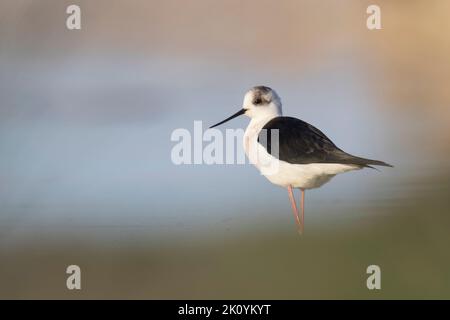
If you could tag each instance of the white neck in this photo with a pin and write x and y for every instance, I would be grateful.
(251, 135)
(261, 118)
(257, 123)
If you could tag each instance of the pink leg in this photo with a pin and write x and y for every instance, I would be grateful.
(302, 207)
(294, 209)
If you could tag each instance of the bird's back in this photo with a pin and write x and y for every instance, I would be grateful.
(301, 143)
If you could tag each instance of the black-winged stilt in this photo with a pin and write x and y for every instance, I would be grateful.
(303, 157)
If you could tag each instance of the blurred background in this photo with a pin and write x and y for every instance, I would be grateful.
(86, 176)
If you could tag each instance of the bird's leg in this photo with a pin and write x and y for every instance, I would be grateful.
(294, 209)
(302, 207)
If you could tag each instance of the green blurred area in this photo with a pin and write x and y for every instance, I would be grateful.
(409, 241)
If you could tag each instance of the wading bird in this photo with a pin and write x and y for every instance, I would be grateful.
(300, 157)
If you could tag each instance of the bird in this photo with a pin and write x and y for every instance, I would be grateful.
(290, 152)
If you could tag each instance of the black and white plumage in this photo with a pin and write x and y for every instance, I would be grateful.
(301, 143)
(290, 152)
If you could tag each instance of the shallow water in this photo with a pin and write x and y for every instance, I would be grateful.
(257, 259)
(86, 176)
(103, 193)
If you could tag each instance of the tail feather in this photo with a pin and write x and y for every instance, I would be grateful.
(368, 163)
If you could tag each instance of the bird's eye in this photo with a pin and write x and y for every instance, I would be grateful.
(257, 101)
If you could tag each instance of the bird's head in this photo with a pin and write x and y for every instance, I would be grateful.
(259, 103)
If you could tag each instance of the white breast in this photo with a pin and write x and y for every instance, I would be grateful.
(282, 173)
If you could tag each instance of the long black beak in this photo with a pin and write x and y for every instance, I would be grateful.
(237, 114)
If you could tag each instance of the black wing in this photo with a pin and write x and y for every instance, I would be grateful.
(302, 143)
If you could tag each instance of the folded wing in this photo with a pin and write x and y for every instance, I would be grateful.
(301, 143)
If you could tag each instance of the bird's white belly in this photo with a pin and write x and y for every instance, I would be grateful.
(282, 173)
(305, 176)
